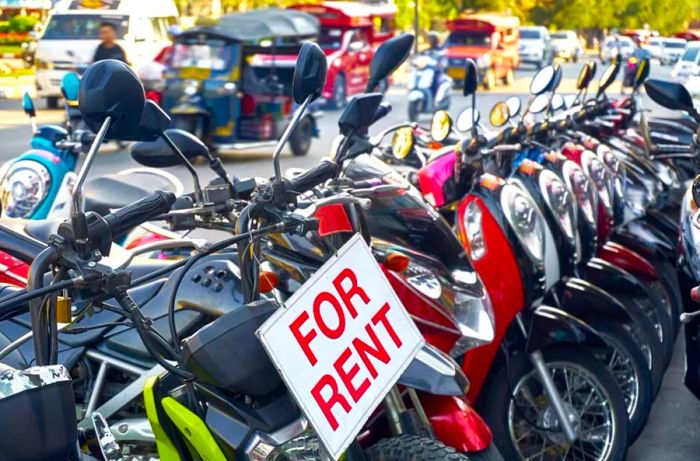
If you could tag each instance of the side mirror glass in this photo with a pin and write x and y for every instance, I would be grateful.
(157, 154)
(110, 88)
(608, 77)
(70, 86)
(569, 101)
(594, 69)
(402, 142)
(309, 73)
(499, 115)
(514, 106)
(542, 80)
(440, 126)
(642, 72)
(467, 118)
(557, 103)
(670, 95)
(558, 72)
(471, 77)
(539, 104)
(584, 77)
(28, 105)
(388, 57)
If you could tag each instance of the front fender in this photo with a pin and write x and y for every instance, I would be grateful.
(551, 326)
(456, 423)
(628, 260)
(435, 372)
(584, 300)
(640, 237)
(612, 278)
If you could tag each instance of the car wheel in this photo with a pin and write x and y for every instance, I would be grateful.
(340, 93)
(300, 141)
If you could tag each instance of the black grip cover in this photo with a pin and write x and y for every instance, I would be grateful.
(673, 149)
(144, 210)
(312, 177)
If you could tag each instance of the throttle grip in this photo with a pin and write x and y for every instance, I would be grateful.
(312, 177)
(144, 210)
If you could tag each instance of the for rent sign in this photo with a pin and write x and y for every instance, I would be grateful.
(341, 343)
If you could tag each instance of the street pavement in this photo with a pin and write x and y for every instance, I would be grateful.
(673, 431)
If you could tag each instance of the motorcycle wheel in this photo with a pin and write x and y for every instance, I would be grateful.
(523, 422)
(658, 308)
(300, 140)
(490, 454)
(412, 448)
(414, 110)
(626, 362)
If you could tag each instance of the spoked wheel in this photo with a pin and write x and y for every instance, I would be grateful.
(412, 448)
(658, 308)
(525, 425)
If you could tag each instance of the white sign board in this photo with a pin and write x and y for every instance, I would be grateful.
(340, 344)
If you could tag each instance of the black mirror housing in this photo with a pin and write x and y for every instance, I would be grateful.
(388, 57)
(359, 113)
(157, 154)
(309, 73)
(671, 95)
(110, 88)
(471, 77)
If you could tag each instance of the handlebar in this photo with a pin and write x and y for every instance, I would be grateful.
(146, 209)
(306, 181)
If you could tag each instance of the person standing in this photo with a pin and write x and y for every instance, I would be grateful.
(109, 48)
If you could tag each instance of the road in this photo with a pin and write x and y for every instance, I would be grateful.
(673, 431)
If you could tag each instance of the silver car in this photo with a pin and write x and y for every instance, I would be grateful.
(613, 46)
(567, 45)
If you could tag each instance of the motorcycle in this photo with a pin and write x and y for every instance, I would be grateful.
(429, 87)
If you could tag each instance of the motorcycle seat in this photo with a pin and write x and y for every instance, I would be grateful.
(107, 193)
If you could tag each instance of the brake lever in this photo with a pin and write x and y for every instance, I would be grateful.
(308, 208)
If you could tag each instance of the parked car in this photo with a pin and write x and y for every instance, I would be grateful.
(654, 47)
(671, 50)
(612, 46)
(71, 37)
(536, 46)
(491, 40)
(689, 64)
(567, 45)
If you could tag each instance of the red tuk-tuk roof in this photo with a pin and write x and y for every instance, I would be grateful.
(356, 14)
(487, 22)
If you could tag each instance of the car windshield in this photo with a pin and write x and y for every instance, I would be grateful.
(214, 55)
(691, 54)
(678, 45)
(463, 38)
(530, 34)
(330, 39)
(560, 35)
(82, 26)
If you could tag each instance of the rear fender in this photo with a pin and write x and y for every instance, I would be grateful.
(435, 372)
(637, 236)
(627, 259)
(551, 326)
(612, 278)
(456, 423)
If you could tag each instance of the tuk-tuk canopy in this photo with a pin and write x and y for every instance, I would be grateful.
(253, 26)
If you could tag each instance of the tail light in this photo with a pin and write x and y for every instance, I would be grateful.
(267, 281)
(247, 105)
(397, 262)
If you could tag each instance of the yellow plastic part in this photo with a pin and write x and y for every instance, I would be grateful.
(166, 449)
(193, 429)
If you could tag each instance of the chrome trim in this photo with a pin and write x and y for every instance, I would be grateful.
(245, 145)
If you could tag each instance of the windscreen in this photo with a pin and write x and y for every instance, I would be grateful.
(530, 34)
(691, 54)
(83, 26)
(676, 45)
(212, 54)
(463, 38)
(330, 39)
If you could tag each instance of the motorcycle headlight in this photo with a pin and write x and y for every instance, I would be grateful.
(525, 219)
(618, 174)
(474, 316)
(474, 231)
(191, 87)
(560, 201)
(583, 189)
(303, 447)
(23, 188)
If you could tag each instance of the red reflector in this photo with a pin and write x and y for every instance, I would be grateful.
(695, 294)
(333, 219)
(267, 281)
(397, 262)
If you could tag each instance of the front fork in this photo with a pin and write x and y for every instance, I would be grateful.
(403, 421)
(550, 388)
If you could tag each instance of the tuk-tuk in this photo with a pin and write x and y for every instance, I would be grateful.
(230, 84)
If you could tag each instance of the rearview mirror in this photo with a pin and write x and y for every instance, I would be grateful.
(471, 77)
(440, 126)
(584, 77)
(153, 122)
(157, 154)
(500, 113)
(402, 142)
(539, 104)
(642, 72)
(467, 118)
(556, 103)
(608, 76)
(594, 68)
(111, 89)
(309, 73)
(70, 86)
(388, 57)
(28, 105)
(542, 80)
(557, 77)
(514, 106)
(670, 95)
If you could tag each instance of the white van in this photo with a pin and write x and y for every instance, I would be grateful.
(70, 38)
(689, 63)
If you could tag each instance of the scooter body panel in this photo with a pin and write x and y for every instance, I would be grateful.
(456, 423)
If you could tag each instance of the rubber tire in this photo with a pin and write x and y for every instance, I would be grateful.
(490, 454)
(666, 321)
(52, 102)
(337, 86)
(414, 110)
(300, 140)
(622, 340)
(494, 408)
(412, 448)
(668, 276)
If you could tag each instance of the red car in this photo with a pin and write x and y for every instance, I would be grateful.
(350, 32)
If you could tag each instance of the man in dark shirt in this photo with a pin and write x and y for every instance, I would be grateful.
(109, 49)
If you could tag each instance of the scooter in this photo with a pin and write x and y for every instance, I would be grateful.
(429, 88)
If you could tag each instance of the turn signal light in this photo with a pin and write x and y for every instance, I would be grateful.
(695, 294)
(267, 281)
(396, 262)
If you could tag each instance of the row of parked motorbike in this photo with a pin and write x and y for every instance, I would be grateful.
(537, 259)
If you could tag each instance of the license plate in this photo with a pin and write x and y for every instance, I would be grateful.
(340, 343)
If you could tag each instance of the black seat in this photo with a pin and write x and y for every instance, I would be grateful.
(107, 193)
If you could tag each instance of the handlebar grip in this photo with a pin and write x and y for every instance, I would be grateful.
(313, 177)
(673, 149)
(149, 207)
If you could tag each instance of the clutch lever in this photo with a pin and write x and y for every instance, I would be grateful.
(306, 208)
